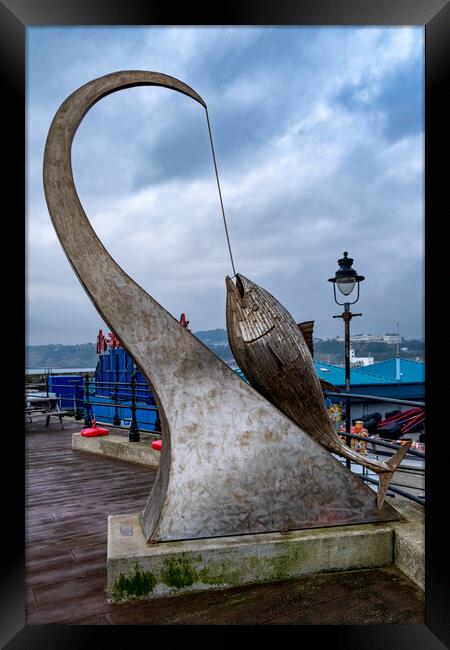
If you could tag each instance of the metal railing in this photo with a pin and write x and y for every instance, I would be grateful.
(126, 398)
(396, 490)
(380, 442)
(133, 398)
(375, 398)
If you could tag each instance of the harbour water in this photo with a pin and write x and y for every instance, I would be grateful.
(55, 371)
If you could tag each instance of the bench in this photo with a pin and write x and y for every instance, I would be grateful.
(58, 414)
(34, 410)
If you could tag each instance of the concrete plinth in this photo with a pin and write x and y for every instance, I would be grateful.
(139, 570)
(118, 447)
(409, 540)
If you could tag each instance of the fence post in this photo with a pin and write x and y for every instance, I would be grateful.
(78, 403)
(87, 408)
(116, 420)
(133, 435)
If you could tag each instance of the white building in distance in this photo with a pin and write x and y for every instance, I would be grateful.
(375, 338)
(392, 338)
(357, 362)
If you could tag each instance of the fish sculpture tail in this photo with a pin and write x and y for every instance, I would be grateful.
(385, 477)
(384, 469)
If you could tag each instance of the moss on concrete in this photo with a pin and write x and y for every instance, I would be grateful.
(206, 577)
(287, 565)
(230, 574)
(178, 573)
(142, 583)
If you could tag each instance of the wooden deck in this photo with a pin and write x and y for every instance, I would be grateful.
(69, 495)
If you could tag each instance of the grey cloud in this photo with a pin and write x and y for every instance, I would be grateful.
(303, 177)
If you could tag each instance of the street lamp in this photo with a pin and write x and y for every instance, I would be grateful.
(345, 279)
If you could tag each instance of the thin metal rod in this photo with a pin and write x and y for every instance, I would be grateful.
(123, 406)
(383, 443)
(220, 193)
(374, 398)
(87, 407)
(153, 432)
(134, 428)
(402, 493)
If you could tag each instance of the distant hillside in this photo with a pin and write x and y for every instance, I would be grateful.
(217, 342)
(215, 337)
(83, 355)
(330, 351)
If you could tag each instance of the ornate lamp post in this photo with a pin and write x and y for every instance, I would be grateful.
(346, 278)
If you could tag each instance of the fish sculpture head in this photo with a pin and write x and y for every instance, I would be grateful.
(245, 298)
(242, 293)
(270, 349)
(261, 332)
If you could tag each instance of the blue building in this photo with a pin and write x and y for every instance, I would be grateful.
(393, 378)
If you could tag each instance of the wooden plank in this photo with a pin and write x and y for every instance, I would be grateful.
(37, 565)
(68, 610)
(68, 499)
(66, 545)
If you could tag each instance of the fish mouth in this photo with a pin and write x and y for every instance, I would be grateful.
(241, 288)
(235, 290)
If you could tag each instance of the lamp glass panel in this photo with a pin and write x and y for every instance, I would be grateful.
(346, 285)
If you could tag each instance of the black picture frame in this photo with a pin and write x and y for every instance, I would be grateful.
(434, 15)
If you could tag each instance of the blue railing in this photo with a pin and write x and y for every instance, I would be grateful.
(130, 405)
(380, 442)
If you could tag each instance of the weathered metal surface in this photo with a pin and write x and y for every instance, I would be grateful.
(273, 354)
(231, 463)
(306, 329)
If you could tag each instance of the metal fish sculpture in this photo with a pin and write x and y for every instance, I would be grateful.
(272, 352)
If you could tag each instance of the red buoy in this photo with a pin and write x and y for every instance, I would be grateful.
(93, 431)
(157, 444)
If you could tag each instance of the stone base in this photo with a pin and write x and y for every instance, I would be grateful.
(140, 570)
(409, 545)
(119, 447)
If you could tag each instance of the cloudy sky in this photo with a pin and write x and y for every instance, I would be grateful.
(319, 139)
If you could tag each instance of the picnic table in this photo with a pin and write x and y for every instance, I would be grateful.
(45, 405)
